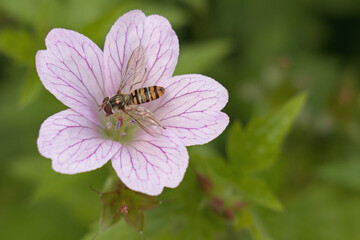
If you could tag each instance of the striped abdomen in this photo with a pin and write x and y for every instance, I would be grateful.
(147, 94)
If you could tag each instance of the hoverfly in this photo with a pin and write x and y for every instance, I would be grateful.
(128, 103)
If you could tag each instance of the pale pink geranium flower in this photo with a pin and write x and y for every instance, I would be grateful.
(80, 75)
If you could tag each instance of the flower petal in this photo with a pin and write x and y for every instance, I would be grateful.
(191, 108)
(151, 163)
(73, 143)
(72, 69)
(159, 40)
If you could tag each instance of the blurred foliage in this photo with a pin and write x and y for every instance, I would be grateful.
(277, 172)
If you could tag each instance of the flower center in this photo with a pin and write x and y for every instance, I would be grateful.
(120, 128)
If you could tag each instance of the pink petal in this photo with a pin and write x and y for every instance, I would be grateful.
(191, 108)
(71, 68)
(151, 163)
(155, 34)
(73, 143)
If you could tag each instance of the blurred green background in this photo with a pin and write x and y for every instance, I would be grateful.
(264, 53)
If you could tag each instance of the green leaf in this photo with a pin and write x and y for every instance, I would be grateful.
(199, 57)
(343, 173)
(142, 201)
(244, 219)
(19, 45)
(208, 162)
(257, 191)
(176, 15)
(233, 142)
(119, 201)
(213, 173)
(120, 230)
(257, 147)
(69, 190)
(135, 218)
(111, 210)
(22, 10)
(30, 89)
(198, 5)
(311, 209)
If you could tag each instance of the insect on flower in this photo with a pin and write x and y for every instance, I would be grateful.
(135, 73)
(141, 129)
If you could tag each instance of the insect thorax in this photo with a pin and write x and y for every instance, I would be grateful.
(119, 101)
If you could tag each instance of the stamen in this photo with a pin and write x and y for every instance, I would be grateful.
(118, 124)
(117, 129)
(108, 125)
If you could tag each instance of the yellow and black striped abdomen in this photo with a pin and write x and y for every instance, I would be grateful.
(147, 94)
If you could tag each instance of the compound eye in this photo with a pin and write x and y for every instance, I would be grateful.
(105, 100)
(108, 109)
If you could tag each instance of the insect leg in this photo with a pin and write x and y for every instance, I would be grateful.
(143, 127)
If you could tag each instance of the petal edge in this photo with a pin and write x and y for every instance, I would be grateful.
(73, 143)
(132, 29)
(71, 68)
(150, 164)
(191, 108)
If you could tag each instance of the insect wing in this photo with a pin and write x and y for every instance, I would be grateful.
(145, 119)
(135, 69)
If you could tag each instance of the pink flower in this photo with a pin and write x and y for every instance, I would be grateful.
(80, 75)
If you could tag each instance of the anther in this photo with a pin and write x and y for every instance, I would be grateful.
(118, 124)
(108, 125)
